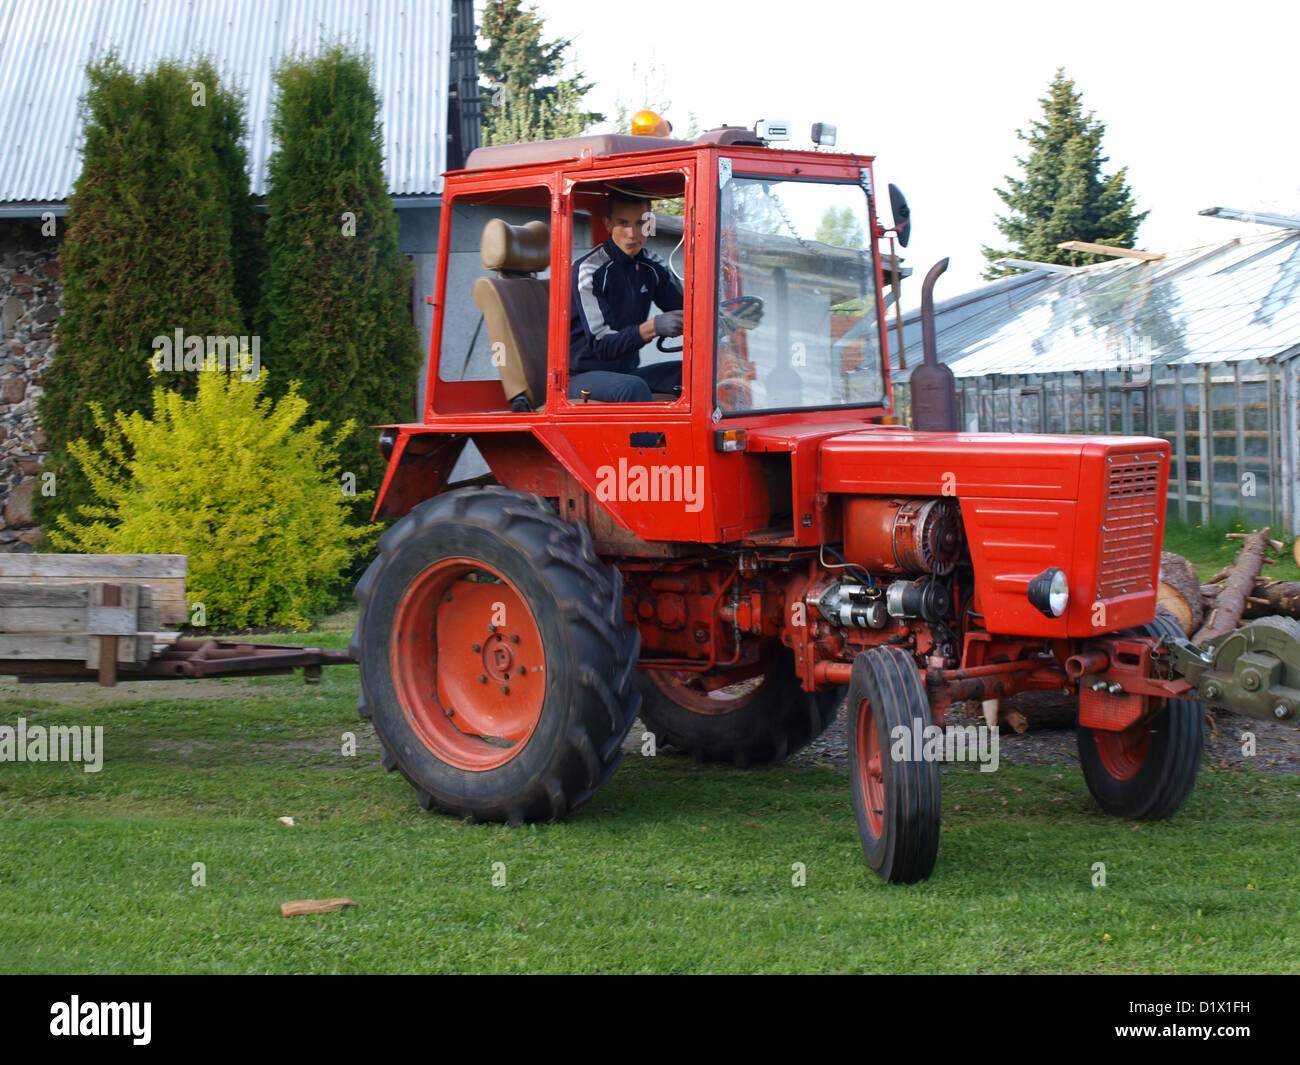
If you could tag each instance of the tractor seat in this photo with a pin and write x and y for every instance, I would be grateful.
(515, 306)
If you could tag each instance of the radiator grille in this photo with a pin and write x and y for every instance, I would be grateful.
(1129, 525)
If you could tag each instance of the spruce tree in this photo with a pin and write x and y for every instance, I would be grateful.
(335, 312)
(147, 249)
(520, 103)
(1062, 193)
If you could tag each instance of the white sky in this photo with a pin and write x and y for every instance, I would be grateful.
(1198, 98)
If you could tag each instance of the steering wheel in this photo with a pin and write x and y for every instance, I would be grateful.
(742, 304)
(742, 312)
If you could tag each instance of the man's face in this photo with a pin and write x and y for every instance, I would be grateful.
(627, 225)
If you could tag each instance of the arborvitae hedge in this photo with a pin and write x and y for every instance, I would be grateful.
(335, 309)
(148, 248)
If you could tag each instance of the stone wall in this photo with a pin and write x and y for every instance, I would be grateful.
(29, 304)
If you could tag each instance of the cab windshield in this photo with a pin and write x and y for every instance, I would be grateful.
(797, 316)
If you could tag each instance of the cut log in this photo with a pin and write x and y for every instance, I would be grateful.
(1025, 718)
(1180, 591)
(1279, 597)
(1230, 603)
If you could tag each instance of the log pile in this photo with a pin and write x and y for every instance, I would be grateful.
(1237, 593)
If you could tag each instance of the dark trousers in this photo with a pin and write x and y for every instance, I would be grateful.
(634, 387)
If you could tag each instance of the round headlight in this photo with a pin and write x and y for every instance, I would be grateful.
(1050, 592)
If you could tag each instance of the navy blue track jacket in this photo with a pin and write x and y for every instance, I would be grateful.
(612, 293)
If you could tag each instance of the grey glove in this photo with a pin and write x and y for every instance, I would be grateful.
(668, 325)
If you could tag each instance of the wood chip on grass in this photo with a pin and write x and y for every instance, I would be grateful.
(301, 906)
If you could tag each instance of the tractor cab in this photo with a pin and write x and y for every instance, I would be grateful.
(776, 255)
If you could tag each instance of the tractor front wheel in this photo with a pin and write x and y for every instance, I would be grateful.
(1146, 772)
(495, 661)
(895, 788)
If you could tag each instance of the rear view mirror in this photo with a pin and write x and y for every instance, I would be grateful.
(902, 214)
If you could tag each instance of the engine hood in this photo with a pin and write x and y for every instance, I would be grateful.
(980, 465)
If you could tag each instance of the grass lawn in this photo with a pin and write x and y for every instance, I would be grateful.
(672, 867)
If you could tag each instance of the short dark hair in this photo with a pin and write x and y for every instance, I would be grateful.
(615, 198)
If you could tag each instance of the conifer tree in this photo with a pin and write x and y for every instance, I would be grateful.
(1062, 193)
(335, 312)
(527, 97)
(147, 250)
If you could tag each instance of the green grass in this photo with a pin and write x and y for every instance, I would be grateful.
(1208, 549)
(672, 867)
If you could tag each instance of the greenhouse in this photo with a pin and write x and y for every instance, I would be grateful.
(1197, 347)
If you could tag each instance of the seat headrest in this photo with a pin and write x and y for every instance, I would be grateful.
(522, 249)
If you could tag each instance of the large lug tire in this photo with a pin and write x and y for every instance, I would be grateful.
(1146, 772)
(895, 800)
(496, 664)
(755, 722)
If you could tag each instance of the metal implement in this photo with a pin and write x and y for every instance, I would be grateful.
(194, 659)
(1254, 670)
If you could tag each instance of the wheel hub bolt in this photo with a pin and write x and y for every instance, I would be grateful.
(505, 689)
(476, 648)
(523, 670)
(482, 678)
(514, 638)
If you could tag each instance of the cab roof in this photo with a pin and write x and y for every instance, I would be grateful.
(604, 144)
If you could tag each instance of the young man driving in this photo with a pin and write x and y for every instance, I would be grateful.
(613, 287)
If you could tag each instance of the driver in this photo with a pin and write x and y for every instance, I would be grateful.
(613, 287)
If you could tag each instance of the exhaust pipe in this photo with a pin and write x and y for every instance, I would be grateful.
(934, 389)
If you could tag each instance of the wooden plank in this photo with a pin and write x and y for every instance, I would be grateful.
(110, 595)
(26, 646)
(166, 594)
(93, 567)
(164, 575)
(46, 619)
(43, 596)
(1106, 249)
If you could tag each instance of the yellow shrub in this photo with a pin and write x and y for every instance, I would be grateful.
(230, 479)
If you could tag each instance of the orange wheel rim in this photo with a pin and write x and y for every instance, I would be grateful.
(686, 690)
(1122, 754)
(871, 770)
(468, 663)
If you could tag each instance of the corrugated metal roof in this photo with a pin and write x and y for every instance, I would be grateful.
(46, 44)
(1228, 302)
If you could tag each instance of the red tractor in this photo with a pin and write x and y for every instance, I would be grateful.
(726, 559)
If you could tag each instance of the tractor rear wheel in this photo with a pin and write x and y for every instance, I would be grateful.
(895, 799)
(1146, 772)
(496, 664)
(756, 721)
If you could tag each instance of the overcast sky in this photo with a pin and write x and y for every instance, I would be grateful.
(1198, 98)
